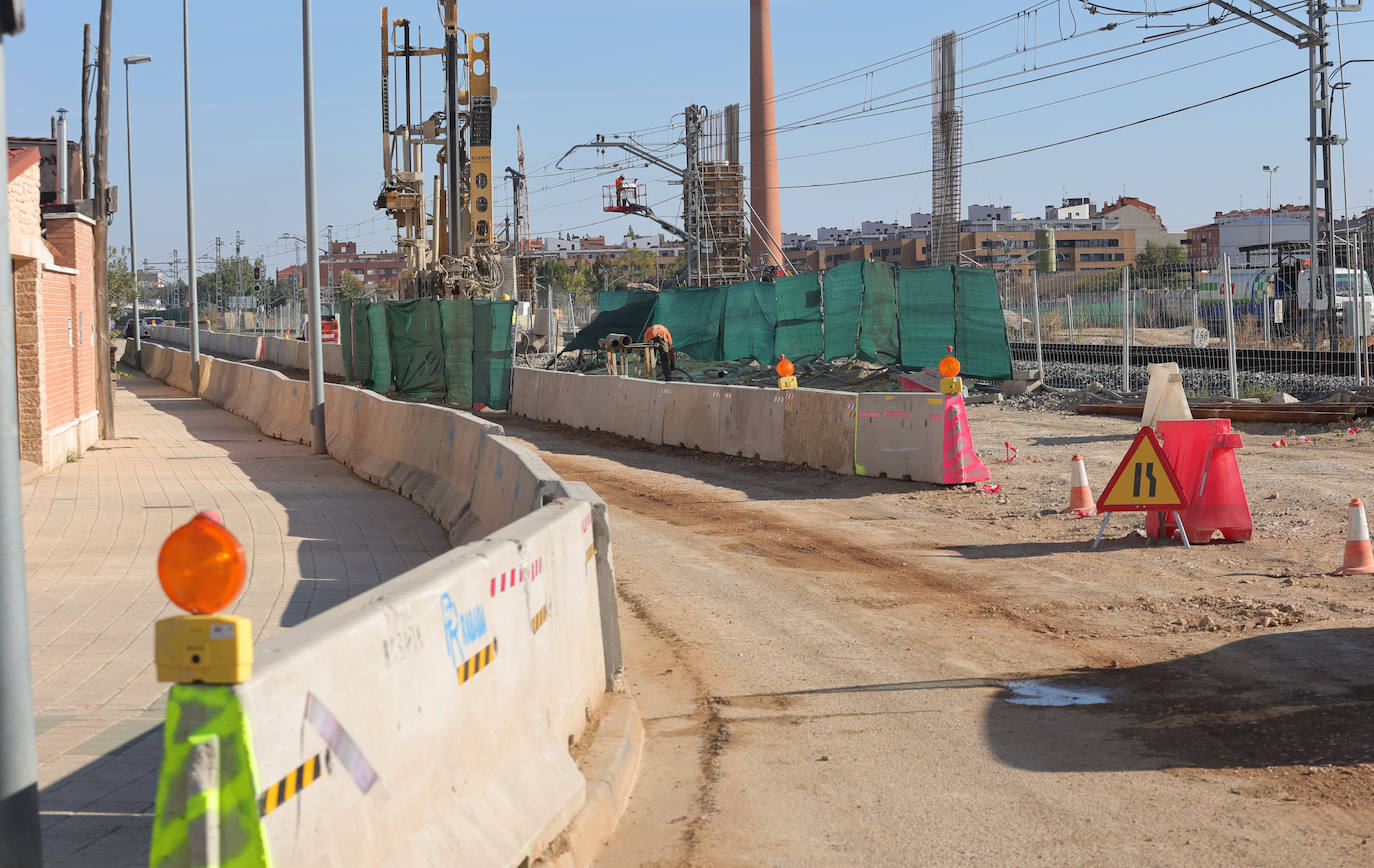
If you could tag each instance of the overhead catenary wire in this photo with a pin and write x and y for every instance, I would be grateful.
(1054, 144)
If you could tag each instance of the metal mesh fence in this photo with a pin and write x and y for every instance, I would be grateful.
(1250, 337)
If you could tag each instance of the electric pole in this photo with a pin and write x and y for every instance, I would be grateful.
(219, 271)
(1312, 36)
(104, 384)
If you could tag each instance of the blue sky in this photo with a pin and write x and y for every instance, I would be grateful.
(568, 71)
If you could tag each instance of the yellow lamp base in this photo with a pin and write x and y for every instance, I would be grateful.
(204, 649)
(787, 382)
(951, 385)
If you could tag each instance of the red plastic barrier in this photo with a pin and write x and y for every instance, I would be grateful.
(1202, 453)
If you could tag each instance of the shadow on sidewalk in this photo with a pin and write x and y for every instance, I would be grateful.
(354, 535)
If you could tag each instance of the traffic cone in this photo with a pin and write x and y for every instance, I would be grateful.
(1359, 558)
(1080, 496)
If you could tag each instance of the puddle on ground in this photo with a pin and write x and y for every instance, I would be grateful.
(1030, 692)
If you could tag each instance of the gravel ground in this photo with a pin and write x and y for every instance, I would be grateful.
(1197, 382)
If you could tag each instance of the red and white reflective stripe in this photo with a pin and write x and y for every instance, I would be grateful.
(1359, 523)
(515, 576)
(1079, 478)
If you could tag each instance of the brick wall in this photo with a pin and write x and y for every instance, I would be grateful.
(28, 358)
(68, 322)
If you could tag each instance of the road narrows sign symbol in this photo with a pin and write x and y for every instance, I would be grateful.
(1143, 481)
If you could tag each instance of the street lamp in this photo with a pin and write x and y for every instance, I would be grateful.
(129, 148)
(192, 300)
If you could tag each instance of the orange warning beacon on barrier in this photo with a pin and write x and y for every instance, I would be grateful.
(202, 569)
(950, 383)
(786, 371)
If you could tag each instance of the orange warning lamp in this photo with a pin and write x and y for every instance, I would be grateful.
(949, 366)
(201, 568)
(201, 565)
(950, 384)
(786, 371)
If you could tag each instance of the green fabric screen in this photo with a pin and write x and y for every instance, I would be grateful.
(381, 348)
(693, 316)
(492, 323)
(614, 299)
(980, 330)
(797, 332)
(926, 296)
(417, 348)
(878, 336)
(750, 316)
(630, 319)
(841, 301)
(455, 321)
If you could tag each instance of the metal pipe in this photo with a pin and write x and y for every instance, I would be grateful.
(193, 300)
(452, 204)
(409, 164)
(63, 193)
(1313, 76)
(1228, 292)
(312, 248)
(21, 843)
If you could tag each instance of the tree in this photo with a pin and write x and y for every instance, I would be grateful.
(1161, 256)
(350, 287)
(119, 281)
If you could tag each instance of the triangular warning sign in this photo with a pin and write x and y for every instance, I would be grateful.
(1143, 481)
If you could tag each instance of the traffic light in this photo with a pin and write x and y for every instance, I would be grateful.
(257, 278)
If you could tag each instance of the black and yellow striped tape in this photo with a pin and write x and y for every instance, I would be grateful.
(476, 662)
(539, 618)
(285, 789)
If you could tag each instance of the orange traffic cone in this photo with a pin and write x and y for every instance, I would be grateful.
(1359, 558)
(1081, 496)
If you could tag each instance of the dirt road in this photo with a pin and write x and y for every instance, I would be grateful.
(831, 669)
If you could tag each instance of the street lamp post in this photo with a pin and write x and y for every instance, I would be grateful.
(192, 300)
(312, 235)
(129, 142)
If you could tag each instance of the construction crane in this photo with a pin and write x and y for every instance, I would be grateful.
(450, 247)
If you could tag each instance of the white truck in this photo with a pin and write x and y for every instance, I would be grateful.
(1286, 289)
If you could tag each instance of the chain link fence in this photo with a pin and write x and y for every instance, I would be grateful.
(1251, 337)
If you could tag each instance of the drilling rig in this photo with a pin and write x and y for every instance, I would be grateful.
(447, 236)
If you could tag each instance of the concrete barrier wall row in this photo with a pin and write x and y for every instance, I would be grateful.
(286, 352)
(899, 435)
(460, 685)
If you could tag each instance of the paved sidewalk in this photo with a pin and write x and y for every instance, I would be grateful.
(314, 534)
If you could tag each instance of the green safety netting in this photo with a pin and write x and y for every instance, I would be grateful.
(492, 350)
(455, 323)
(693, 316)
(797, 333)
(859, 311)
(614, 299)
(417, 348)
(356, 336)
(750, 317)
(926, 296)
(878, 336)
(841, 303)
(628, 319)
(379, 346)
(980, 330)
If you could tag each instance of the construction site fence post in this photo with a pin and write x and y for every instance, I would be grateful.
(1039, 345)
(1229, 295)
(1126, 329)
(1072, 337)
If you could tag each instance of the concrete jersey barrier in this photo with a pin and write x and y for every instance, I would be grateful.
(286, 352)
(428, 721)
(919, 436)
(424, 723)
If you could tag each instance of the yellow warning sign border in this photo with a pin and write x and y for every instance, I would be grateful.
(1144, 434)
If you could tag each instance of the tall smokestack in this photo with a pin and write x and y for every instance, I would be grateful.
(763, 145)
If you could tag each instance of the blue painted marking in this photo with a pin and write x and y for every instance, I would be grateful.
(474, 624)
(500, 471)
(355, 403)
(451, 628)
(517, 489)
(450, 435)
